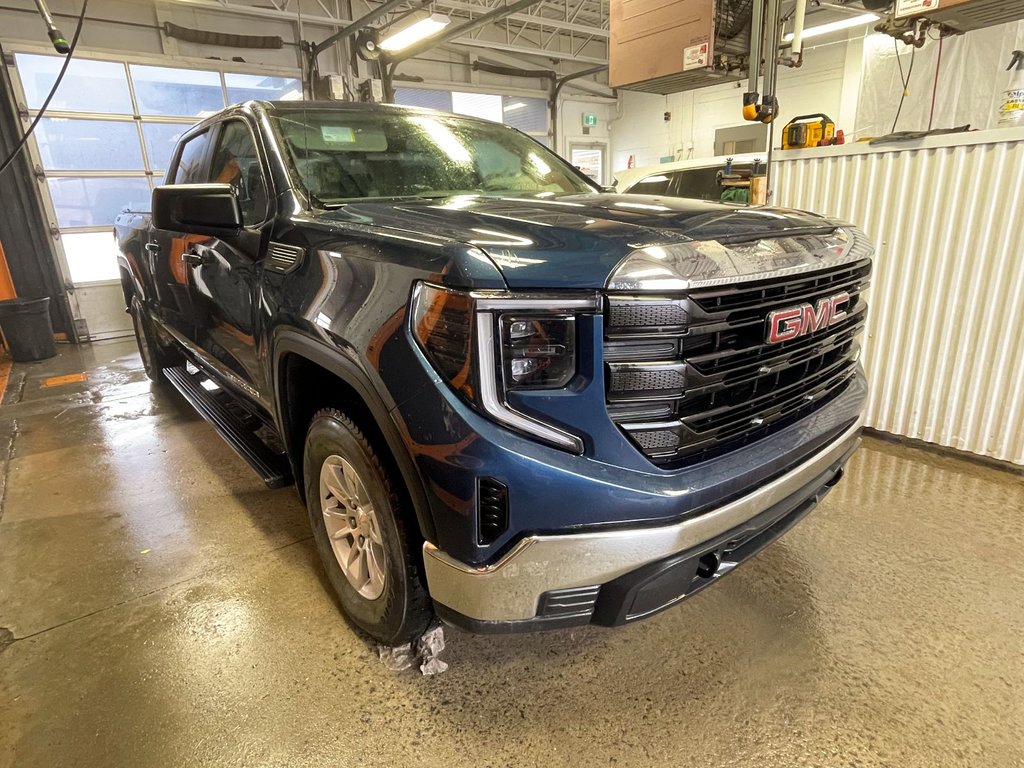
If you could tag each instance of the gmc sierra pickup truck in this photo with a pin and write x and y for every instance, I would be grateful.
(507, 397)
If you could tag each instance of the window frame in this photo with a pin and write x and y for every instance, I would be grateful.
(217, 128)
(261, 156)
(195, 133)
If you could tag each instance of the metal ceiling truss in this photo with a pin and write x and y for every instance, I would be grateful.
(559, 29)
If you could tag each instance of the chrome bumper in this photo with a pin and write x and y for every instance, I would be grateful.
(509, 590)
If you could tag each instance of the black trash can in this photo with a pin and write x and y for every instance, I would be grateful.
(27, 328)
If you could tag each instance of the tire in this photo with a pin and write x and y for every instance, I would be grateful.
(347, 482)
(154, 357)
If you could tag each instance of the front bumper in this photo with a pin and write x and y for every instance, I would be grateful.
(615, 576)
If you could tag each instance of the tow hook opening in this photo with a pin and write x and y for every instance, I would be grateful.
(708, 565)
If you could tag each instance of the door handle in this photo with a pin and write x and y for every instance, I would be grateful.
(153, 248)
(196, 259)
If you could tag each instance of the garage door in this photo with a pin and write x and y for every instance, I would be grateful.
(104, 142)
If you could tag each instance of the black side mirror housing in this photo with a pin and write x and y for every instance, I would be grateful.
(197, 209)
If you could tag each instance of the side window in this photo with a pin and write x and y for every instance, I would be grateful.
(190, 165)
(236, 162)
(699, 184)
(651, 185)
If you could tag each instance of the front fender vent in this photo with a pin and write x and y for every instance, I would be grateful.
(283, 258)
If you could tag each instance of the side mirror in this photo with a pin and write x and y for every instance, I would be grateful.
(198, 209)
(608, 189)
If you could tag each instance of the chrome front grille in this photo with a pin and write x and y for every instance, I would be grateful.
(690, 375)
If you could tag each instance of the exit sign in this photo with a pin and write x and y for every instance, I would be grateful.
(589, 121)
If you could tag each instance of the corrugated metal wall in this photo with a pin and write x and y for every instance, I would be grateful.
(945, 334)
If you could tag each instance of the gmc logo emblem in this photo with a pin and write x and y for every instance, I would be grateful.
(791, 323)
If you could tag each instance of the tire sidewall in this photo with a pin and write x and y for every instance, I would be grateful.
(383, 617)
(143, 337)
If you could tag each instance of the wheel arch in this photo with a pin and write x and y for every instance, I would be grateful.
(296, 356)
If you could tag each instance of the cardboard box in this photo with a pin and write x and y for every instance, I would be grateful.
(652, 39)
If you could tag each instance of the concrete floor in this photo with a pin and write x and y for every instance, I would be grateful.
(164, 609)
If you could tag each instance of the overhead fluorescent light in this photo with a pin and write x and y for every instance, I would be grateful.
(517, 105)
(421, 30)
(834, 26)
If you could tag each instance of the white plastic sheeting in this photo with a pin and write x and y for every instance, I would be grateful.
(944, 346)
(970, 84)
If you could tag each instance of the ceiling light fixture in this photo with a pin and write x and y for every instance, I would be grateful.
(416, 32)
(834, 26)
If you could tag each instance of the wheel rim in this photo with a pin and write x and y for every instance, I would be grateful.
(352, 527)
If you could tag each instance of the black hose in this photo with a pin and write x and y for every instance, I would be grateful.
(60, 76)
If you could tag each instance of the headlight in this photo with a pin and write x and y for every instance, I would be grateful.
(538, 352)
(485, 344)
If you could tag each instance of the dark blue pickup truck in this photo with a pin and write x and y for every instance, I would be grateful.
(508, 397)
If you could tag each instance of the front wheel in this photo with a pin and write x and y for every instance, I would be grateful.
(355, 509)
(154, 357)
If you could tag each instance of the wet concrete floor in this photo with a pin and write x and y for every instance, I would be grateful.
(161, 608)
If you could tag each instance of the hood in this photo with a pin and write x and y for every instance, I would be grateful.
(574, 241)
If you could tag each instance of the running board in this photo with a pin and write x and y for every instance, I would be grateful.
(270, 466)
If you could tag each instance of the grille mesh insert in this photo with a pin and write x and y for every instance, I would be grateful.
(725, 385)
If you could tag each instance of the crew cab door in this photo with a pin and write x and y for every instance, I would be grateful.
(165, 251)
(224, 273)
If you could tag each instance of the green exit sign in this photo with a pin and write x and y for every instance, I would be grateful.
(589, 121)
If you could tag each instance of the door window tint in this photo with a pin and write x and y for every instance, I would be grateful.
(703, 183)
(236, 162)
(190, 166)
(651, 185)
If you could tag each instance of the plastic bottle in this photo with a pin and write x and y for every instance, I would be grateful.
(1011, 110)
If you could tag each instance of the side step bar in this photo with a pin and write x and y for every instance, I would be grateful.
(270, 466)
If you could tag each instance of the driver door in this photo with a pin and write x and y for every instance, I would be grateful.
(224, 275)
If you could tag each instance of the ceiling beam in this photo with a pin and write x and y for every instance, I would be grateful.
(523, 51)
(591, 86)
(530, 18)
(497, 13)
(249, 10)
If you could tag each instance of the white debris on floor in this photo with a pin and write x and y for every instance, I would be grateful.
(423, 651)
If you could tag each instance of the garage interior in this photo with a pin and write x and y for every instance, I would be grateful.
(159, 605)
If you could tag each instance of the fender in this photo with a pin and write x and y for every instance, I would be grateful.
(288, 341)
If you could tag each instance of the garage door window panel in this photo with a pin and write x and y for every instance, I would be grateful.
(88, 86)
(526, 114)
(482, 105)
(91, 256)
(72, 144)
(236, 162)
(424, 97)
(246, 87)
(167, 91)
(96, 202)
(161, 139)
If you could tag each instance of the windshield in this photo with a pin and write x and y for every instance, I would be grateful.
(347, 155)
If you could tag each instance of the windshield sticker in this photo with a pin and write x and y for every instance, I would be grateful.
(338, 134)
